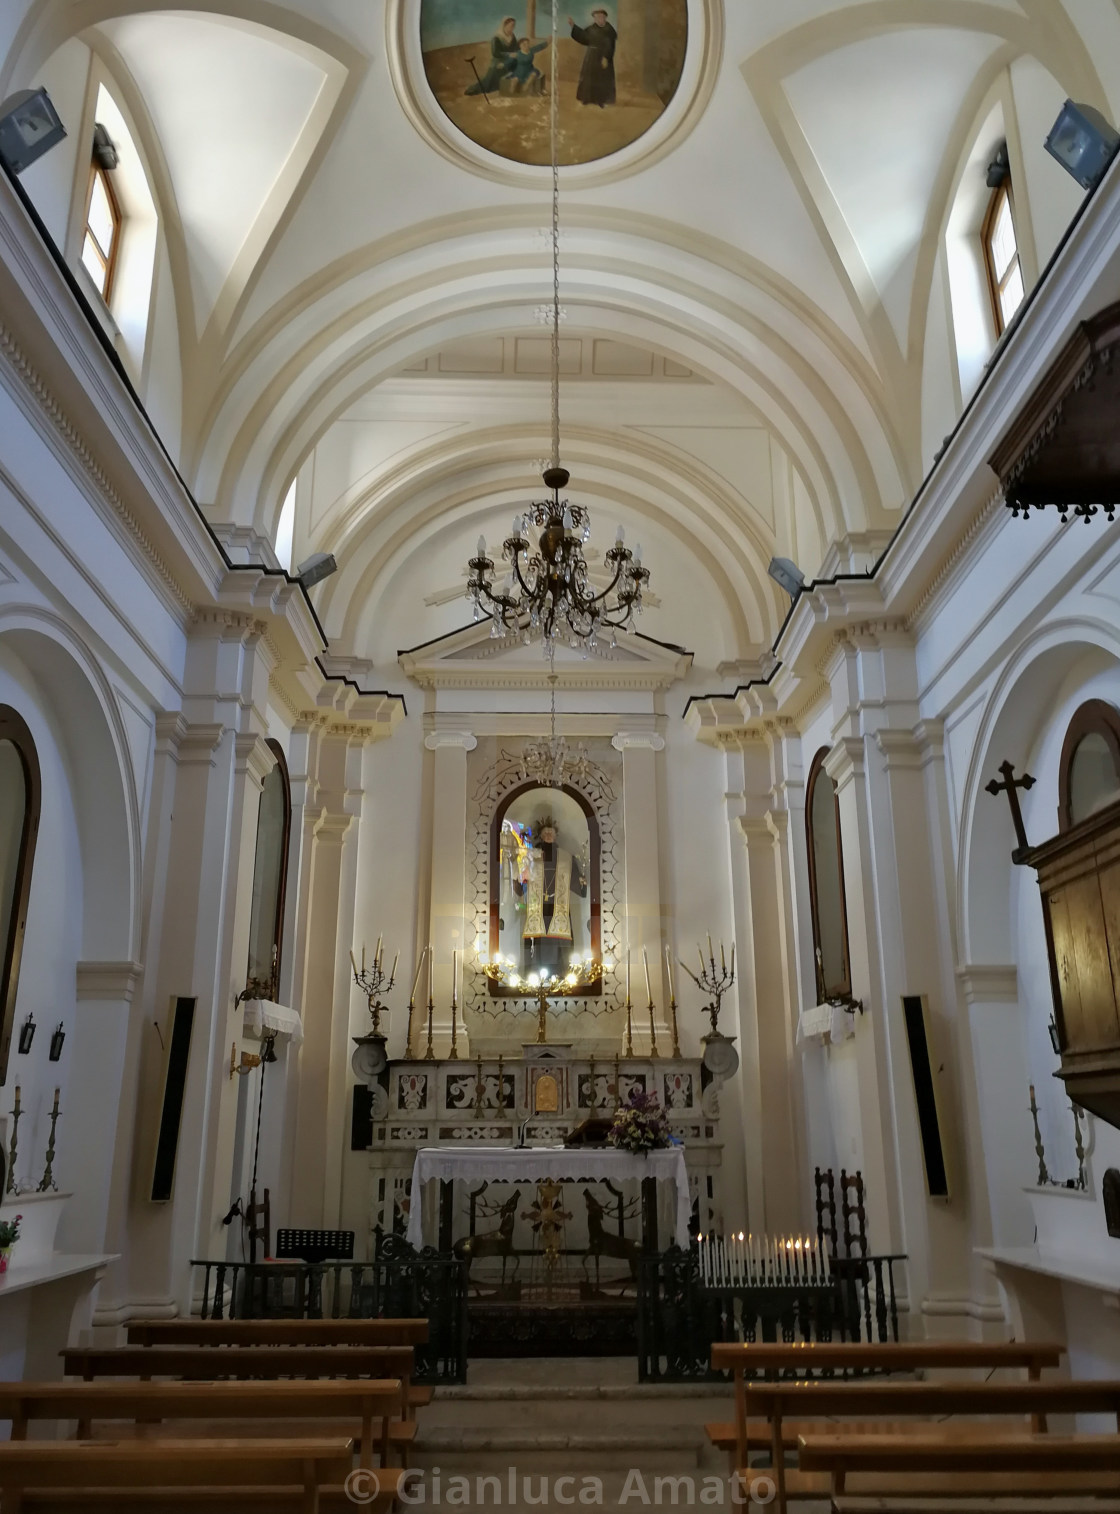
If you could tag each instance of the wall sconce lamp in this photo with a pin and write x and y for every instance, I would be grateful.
(26, 1035)
(56, 1044)
(242, 1068)
(1054, 1041)
(1083, 142)
(29, 127)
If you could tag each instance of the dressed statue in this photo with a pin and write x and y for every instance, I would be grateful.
(553, 876)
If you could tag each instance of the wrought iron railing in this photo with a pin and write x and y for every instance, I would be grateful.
(680, 1318)
(399, 1283)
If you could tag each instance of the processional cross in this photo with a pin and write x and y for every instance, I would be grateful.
(1011, 786)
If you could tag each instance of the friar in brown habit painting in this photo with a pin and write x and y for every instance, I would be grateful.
(596, 78)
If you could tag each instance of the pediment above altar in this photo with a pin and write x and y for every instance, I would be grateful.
(472, 659)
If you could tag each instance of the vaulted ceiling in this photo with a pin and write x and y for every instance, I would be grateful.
(756, 308)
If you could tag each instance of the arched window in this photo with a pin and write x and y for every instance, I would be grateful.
(20, 797)
(826, 885)
(270, 875)
(1089, 776)
(1001, 256)
(101, 244)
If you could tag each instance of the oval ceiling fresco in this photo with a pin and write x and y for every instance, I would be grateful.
(491, 68)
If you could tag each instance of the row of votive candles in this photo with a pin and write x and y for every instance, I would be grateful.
(765, 1262)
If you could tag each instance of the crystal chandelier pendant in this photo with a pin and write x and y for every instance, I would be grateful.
(552, 763)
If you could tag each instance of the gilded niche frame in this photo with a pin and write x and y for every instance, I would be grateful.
(595, 885)
(15, 730)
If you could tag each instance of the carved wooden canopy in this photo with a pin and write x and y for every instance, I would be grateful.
(1064, 448)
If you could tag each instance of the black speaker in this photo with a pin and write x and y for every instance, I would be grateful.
(174, 1090)
(925, 1092)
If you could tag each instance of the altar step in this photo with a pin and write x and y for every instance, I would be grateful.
(575, 1418)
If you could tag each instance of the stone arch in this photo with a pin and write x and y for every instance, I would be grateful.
(95, 749)
(1012, 721)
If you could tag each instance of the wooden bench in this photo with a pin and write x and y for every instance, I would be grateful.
(800, 1360)
(198, 1364)
(279, 1332)
(897, 1474)
(303, 1475)
(221, 1411)
(914, 1410)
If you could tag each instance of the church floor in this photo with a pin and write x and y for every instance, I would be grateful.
(532, 1424)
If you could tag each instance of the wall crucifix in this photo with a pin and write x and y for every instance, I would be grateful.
(1011, 786)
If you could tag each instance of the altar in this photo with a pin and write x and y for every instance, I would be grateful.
(553, 1165)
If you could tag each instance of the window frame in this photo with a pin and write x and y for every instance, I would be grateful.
(1096, 717)
(282, 881)
(97, 172)
(996, 286)
(826, 992)
(15, 729)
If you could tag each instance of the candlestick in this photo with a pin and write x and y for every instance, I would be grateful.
(430, 1055)
(14, 1146)
(672, 1007)
(629, 1027)
(1040, 1150)
(47, 1182)
(412, 1006)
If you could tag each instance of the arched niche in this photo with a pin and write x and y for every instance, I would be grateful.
(270, 876)
(20, 807)
(518, 818)
(828, 903)
(1089, 776)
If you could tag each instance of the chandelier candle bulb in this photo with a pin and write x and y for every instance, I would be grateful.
(353, 964)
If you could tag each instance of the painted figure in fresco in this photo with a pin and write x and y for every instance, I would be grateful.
(527, 77)
(504, 48)
(596, 78)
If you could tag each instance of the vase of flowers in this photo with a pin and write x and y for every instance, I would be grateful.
(640, 1125)
(9, 1235)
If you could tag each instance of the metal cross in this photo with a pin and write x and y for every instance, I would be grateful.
(1011, 786)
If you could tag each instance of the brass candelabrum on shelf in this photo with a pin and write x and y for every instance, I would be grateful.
(713, 981)
(543, 986)
(374, 981)
(263, 988)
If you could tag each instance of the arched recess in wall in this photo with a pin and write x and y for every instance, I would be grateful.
(826, 885)
(20, 805)
(1089, 778)
(270, 876)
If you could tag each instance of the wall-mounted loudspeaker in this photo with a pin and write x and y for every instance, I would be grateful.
(171, 1108)
(925, 1092)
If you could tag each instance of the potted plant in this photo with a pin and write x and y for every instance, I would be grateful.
(640, 1125)
(9, 1235)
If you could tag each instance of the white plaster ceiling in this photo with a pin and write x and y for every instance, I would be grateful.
(229, 103)
(747, 355)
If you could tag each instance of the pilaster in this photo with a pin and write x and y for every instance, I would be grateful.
(448, 929)
(641, 829)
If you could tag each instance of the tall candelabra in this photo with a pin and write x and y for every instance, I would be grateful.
(714, 982)
(374, 981)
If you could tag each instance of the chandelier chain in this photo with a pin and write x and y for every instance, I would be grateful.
(554, 119)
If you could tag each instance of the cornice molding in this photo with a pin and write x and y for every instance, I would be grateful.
(989, 984)
(846, 761)
(107, 980)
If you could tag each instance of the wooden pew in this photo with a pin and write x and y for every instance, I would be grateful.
(366, 1407)
(907, 1410)
(198, 1364)
(898, 1474)
(279, 1332)
(802, 1359)
(276, 1475)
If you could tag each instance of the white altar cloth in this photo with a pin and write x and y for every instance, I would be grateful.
(559, 1164)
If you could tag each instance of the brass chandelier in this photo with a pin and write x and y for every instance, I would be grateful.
(547, 590)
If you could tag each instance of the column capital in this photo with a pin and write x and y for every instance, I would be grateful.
(988, 983)
(900, 749)
(846, 761)
(332, 829)
(107, 980)
(437, 740)
(253, 756)
(628, 741)
(198, 743)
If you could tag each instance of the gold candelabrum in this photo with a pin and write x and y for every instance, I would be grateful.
(544, 986)
(374, 981)
(268, 988)
(713, 981)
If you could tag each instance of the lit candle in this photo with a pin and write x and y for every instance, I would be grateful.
(353, 964)
(454, 961)
(419, 970)
(377, 953)
(645, 964)
(431, 971)
(669, 970)
(711, 953)
(722, 958)
(627, 975)
(732, 959)
(700, 954)
(393, 974)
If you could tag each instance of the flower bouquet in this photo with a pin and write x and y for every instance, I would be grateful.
(640, 1125)
(9, 1235)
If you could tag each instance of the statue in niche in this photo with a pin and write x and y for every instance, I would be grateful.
(545, 890)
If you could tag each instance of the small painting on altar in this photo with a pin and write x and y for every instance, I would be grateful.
(544, 893)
